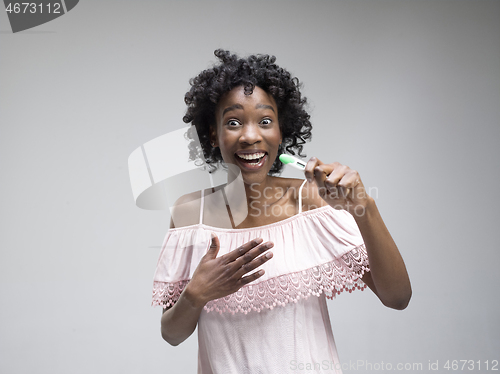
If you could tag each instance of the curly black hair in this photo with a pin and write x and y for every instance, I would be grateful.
(257, 70)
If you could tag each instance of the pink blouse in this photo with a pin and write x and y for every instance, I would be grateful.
(271, 325)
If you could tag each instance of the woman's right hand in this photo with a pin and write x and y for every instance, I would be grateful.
(216, 277)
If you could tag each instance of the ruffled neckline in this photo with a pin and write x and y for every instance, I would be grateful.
(316, 251)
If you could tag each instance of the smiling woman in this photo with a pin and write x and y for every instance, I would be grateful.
(326, 233)
(247, 132)
(261, 72)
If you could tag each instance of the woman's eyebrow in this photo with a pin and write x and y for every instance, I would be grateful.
(264, 106)
(232, 107)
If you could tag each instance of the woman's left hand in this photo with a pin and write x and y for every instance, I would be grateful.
(338, 185)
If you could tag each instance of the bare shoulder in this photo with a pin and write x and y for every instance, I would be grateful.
(310, 197)
(186, 210)
(290, 186)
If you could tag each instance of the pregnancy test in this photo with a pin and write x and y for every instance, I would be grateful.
(292, 161)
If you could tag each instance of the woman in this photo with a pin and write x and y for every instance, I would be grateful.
(325, 233)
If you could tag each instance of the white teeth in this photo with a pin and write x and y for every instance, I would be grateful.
(252, 156)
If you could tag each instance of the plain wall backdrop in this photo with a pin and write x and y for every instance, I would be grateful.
(405, 92)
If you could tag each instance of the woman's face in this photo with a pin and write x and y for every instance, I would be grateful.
(247, 132)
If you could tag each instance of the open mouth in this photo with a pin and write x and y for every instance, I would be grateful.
(251, 159)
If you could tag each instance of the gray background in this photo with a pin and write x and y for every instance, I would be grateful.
(406, 92)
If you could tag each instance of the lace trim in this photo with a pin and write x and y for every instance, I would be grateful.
(332, 278)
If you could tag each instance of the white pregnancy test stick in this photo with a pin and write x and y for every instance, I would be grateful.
(292, 161)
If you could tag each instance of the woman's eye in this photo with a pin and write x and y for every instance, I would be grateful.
(266, 121)
(233, 123)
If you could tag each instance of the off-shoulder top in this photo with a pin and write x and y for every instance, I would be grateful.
(318, 252)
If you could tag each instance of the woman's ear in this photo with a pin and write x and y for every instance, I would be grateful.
(213, 137)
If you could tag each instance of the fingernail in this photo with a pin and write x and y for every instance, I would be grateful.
(269, 254)
(212, 236)
(261, 272)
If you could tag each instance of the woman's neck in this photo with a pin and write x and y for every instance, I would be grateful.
(262, 193)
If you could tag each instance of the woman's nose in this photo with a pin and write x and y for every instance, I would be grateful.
(250, 134)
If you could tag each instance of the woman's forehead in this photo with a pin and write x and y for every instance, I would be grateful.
(236, 98)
